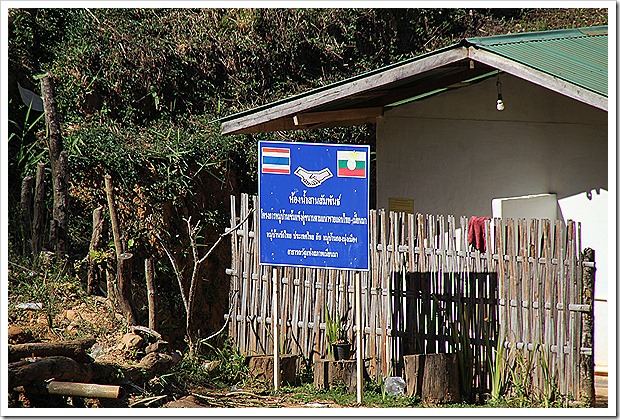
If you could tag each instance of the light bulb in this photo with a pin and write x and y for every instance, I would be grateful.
(500, 105)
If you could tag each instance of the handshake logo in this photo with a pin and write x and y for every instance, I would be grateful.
(313, 178)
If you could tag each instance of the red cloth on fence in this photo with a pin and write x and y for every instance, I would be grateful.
(475, 236)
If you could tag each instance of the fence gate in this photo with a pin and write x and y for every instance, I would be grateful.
(521, 307)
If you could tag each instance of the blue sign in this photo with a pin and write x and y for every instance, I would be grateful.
(313, 205)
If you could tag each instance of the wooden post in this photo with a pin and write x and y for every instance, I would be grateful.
(26, 210)
(123, 261)
(124, 286)
(274, 324)
(38, 216)
(59, 164)
(586, 363)
(358, 335)
(151, 292)
(93, 276)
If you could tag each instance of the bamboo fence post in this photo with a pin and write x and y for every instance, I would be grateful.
(586, 371)
(26, 211)
(151, 292)
(38, 211)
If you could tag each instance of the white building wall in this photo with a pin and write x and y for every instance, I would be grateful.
(454, 153)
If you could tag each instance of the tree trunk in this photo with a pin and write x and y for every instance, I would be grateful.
(26, 210)
(94, 271)
(39, 211)
(151, 291)
(59, 164)
(586, 363)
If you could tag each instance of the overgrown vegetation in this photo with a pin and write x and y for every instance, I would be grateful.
(140, 92)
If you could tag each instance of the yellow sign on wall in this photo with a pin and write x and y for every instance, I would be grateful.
(400, 205)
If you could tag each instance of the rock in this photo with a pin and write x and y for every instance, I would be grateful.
(72, 328)
(210, 365)
(71, 315)
(131, 341)
(17, 335)
(159, 346)
(184, 402)
(395, 385)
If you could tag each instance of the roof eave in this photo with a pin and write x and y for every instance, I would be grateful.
(284, 111)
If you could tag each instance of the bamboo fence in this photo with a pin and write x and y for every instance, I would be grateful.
(428, 291)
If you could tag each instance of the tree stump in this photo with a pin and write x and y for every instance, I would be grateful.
(261, 368)
(328, 373)
(433, 377)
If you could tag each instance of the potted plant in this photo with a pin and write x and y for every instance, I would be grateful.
(336, 329)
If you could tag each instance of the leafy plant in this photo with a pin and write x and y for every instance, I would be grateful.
(498, 372)
(336, 329)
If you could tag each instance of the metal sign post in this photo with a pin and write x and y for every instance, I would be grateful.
(358, 335)
(274, 323)
(313, 212)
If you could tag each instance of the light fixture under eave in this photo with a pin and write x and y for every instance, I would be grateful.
(499, 105)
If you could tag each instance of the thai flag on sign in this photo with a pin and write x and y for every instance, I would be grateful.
(276, 160)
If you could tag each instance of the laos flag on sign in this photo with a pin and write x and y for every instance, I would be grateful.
(351, 164)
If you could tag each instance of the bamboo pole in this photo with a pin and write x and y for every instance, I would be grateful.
(83, 390)
(74, 389)
(151, 292)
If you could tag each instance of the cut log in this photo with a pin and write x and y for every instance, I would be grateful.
(433, 377)
(328, 373)
(261, 368)
(75, 350)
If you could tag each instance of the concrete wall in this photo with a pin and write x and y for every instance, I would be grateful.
(454, 153)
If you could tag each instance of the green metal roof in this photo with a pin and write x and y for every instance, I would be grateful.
(578, 56)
